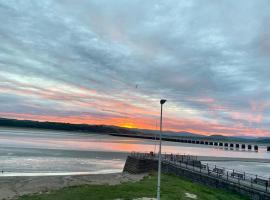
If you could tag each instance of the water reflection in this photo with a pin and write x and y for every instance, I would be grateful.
(38, 152)
(97, 142)
(260, 169)
(45, 166)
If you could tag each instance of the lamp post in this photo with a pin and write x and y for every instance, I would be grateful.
(162, 101)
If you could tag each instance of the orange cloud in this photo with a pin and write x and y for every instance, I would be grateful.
(194, 126)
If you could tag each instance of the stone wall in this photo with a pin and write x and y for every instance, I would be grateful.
(136, 166)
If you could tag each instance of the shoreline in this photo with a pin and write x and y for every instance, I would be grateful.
(14, 187)
(11, 187)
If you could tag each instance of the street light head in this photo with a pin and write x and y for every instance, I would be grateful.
(162, 101)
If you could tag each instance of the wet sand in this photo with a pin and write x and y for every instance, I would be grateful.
(13, 187)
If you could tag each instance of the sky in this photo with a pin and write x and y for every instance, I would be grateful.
(110, 62)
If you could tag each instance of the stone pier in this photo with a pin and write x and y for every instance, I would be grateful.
(140, 165)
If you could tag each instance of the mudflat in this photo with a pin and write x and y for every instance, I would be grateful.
(13, 187)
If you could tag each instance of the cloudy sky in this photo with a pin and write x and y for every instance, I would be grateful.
(109, 62)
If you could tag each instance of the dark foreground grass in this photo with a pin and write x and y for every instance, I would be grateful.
(172, 188)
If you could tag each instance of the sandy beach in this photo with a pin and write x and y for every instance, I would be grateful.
(13, 187)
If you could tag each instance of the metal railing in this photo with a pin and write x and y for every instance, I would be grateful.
(190, 162)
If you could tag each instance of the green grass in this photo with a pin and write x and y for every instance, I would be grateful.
(172, 188)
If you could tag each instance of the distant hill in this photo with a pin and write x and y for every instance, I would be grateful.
(64, 126)
(89, 128)
(115, 130)
(218, 136)
(168, 133)
(263, 140)
(242, 138)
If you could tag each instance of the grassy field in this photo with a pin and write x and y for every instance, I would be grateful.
(172, 188)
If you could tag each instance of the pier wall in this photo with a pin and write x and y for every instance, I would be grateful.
(137, 165)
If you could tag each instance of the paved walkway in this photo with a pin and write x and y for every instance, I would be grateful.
(223, 176)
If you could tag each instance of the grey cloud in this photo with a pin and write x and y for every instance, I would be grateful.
(140, 51)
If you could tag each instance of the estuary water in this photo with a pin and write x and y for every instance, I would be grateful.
(34, 152)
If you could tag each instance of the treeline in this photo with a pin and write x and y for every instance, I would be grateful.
(63, 126)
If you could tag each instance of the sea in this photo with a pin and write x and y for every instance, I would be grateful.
(35, 152)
